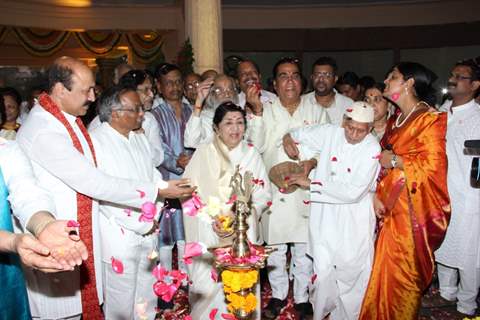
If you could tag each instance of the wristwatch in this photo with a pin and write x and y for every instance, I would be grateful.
(394, 161)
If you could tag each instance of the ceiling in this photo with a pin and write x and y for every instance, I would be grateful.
(235, 3)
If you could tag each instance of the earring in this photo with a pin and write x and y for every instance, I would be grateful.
(406, 91)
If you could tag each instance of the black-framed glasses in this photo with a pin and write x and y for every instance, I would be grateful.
(457, 76)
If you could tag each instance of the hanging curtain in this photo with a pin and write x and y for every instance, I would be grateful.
(41, 42)
(98, 42)
(146, 47)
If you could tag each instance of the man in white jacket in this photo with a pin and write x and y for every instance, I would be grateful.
(342, 219)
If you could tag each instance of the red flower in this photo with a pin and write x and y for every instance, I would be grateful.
(213, 313)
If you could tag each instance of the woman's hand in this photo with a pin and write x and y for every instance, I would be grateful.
(379, 207)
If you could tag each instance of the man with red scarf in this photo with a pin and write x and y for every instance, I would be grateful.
(63, 158)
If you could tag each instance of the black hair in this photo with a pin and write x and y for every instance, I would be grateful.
(164, 69)
(366, 81)
(226, 107)
(474, 68)
(291, 60)
(326, 61)
(377, 85)
(350, 78)
(3, 114)
(133, 78)
(12, 92)
(423, 77)
(254, 64)
(60, 73)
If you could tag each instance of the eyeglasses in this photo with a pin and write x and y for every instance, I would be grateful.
(136, 110)
(322, 74)
(192, 85)
(145, 90)
(222, 92)
(459, 77)
(171, 83)
(286, 77)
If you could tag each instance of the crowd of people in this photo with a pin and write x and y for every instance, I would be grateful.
(361, 188)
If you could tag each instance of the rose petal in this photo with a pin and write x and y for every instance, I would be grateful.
(228, 316)
(117, 266)
(250, 144)
(377, 157)
(232, 199)
(349, 170)
(214, 275)
(306, 202)
(269, 204)
(188, 317)
(128, 212)
(213, 313)
(282, 190)
(149, 210)
(334, 158)
(122, 231)
(349, 110)
(193, 249)
(73, 224)
(142, 193)
(314, 277)
(317, 182)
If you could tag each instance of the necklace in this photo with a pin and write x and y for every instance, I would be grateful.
(398, 125)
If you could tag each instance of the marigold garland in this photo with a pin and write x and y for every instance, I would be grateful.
(235, 281)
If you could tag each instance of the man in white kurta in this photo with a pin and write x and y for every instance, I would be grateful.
(324, 77)
(249, 81)
(64, 171)
(342, 219)
(458, 256)
(288, 220)
(124, 236)
(199, 128)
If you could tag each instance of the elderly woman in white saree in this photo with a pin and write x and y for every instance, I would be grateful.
(211, 169)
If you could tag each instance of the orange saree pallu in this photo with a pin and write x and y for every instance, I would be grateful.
(415, 222)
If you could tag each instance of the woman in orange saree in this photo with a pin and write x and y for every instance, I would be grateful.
(411, 198)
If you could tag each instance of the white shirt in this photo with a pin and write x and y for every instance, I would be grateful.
(199, 129)
(129, 158)
(63, 170)
(336, 110)
(288, 220)
(152, 132)
(342, 219)
(462, 241)
(265, 96)
(25, 196)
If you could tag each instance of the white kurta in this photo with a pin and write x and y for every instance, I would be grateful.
(152, 132)
(204, 293)
(288, 220)
(121, 234)
(62, 170)
(461, 245)
(199, 129)
(25, 196)
(342, 219)
(265, 97)
(336, 110)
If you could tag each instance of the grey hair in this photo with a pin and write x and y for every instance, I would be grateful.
(212, 102)
(110, 101)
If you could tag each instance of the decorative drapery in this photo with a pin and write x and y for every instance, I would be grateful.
(42, 42)
(98, 42)
(145, 47)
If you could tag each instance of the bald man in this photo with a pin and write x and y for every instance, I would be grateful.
(63, 159)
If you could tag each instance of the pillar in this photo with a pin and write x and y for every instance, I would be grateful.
(203, 25)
